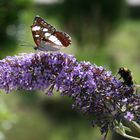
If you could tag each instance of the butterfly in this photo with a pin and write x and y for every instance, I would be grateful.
(46, 37)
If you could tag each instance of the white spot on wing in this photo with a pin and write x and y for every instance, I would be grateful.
(57, 42)
(53, 38)
(45, 30)
(36, 28)
(47, 35)
(36, 35)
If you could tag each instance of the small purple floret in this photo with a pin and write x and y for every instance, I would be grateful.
(129, 116)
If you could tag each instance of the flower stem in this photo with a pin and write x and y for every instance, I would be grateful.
(130, 137)
(136, 126)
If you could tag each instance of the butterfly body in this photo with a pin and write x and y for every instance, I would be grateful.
(47, 47)
(46, 37)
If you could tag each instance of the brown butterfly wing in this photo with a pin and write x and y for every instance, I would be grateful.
(63, 37)
(44, 32)
(38, 21)
(36, 40)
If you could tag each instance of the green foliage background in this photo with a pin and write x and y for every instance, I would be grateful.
(104, 32)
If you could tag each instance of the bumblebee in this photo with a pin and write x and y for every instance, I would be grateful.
(126, 75)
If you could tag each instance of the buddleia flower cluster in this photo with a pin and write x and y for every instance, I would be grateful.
(94, 90)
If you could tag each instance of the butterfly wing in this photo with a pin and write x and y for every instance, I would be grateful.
(39, 28)
(46, 37)
(63, 37)
(47, 46)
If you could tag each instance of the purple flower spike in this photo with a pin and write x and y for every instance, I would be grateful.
(94, 90)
